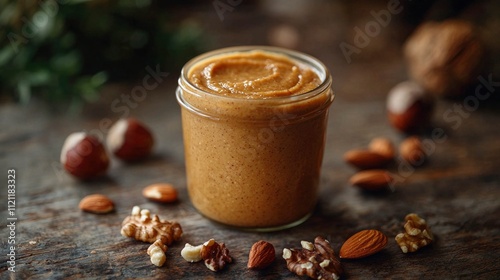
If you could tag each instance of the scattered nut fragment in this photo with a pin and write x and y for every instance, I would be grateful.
(215, 255)
(372, 180)
(97, 203)
(366, 159)
(318, 260)
(382, 146)
(262, 254)
(363, 244)
(412, 151)
(160, 192)
(157, 252)
(445, 57)
(130, 140)
(409, 107)
(417, 234)
(84, 156)
(140, 225)
(192, 253)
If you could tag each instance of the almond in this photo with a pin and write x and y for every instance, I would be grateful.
(372, 180)
(366, 159)
(97, 203)
(160, 192)
(411, 150)
(363, 244)
(261, 255)
(382, 146)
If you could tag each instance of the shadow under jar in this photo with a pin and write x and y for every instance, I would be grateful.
(254, 122)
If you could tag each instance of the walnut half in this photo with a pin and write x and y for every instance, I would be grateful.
(417, 234)
(317, 260)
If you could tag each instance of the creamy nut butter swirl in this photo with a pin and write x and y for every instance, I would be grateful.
(253, 75)
(254, 126)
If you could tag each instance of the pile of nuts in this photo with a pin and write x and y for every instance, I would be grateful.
(372, 163)
(85, 157)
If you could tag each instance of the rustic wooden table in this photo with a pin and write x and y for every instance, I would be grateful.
(456, 191)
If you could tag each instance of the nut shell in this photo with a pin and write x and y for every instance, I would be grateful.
(363, 244)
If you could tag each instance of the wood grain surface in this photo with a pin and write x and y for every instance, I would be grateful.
(457, 191)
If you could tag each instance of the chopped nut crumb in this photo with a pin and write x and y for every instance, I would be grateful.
(157, 252)
(191, 253)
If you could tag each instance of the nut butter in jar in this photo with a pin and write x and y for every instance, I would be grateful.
(254, 121)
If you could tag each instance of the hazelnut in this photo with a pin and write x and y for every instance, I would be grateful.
(84, 156)
(130, 140)
(409, 107)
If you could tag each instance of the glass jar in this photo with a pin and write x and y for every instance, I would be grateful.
(254, 163)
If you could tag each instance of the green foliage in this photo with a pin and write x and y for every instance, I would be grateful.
(67, 49)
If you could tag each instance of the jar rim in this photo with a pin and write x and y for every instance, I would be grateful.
(316, 65)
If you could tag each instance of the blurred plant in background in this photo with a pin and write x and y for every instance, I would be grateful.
(67, 49)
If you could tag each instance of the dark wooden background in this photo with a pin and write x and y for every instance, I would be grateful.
(456, 191)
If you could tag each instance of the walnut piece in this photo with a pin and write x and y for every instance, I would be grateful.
(143, 226)
(157, 252)
(317, 260)
(417, 234)
(215, 255)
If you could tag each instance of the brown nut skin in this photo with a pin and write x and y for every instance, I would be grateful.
(84, 156)
(372, 180)
(97, 204)
(262, 254)
(382, 146)
(130, 140)
(363, 244)
(366, 159)
(409, 107)
(160, 192)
